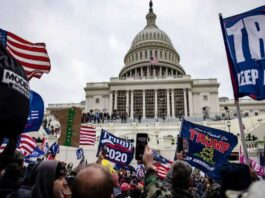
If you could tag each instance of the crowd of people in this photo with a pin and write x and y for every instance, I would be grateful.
(51, 178)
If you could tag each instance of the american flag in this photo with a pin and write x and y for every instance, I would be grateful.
(161, 170)
(87, 135)
(27, 144)
(33, 57)
(153, 60)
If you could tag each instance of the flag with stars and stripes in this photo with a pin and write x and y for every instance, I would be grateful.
(25, 145)
(33, 57)
(87, 135)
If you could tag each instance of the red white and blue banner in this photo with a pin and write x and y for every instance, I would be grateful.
(117, 150)
(244, 37)
(207, 148)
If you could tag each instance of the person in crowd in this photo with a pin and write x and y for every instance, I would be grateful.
(48, 179)
(181, 179)
(234, 177)
(12, 176)
(125, 189)
(116, 189)
(153, 187)
(24, 191)
(100, 182)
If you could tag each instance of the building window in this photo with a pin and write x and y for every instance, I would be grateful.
(256, 113)
(145, 54)
(160, 54)
(156, 54)
(205, 98)
(136, 56)
(161, 103)
(165, 55)
(97, 100)
(121, 102)
(141, 55)
(149, 103)
(151, 54)
(179, 103)
(246, 114)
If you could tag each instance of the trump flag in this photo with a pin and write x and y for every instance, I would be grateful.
(244, 38)
(206, 148)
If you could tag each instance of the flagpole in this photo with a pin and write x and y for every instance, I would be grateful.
(242, 134)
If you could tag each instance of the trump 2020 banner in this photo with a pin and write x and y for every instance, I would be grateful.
(206, 148)
(244, 37)
(116, 149)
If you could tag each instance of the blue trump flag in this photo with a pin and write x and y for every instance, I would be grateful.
(206, 148)
(117, 150)
(244, 38)
(79, 153)
(37, 153)
(54, 149)
(36, 112)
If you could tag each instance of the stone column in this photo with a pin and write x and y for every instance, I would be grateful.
(131, 116)
(127, 102)
(185, 103)
(190, 103)
(156, 103)
(142, 72)
(115, 99)
(148, 71)
(166, 71)
(160, 72)
(144, 104)
(173, 103)
(168, 104)
(110, 102)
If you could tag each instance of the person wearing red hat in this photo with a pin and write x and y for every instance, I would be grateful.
(125, 190)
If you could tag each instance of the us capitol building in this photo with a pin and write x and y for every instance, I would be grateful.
(153, 86)
(152, 83)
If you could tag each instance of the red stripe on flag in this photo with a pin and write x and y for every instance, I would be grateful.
(87, 135)
(27, 144)
(28, 56)
(27, 47)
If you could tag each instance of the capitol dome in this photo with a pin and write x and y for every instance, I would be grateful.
(151, 53)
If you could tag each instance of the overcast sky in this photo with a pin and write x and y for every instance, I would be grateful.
(88, 39)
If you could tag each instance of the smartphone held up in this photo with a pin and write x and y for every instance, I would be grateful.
(141, 142)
